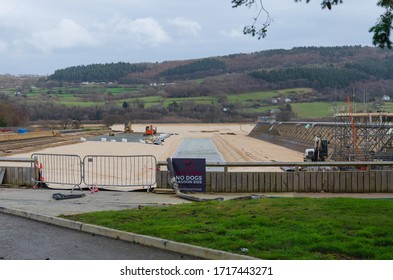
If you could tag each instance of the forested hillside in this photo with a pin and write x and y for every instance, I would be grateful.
(301, 83)
(96, 72)
(322, 68)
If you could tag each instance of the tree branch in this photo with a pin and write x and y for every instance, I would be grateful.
(381, 30)
(254, 29)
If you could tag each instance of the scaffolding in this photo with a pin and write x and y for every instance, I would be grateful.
(363, 137)
(366, 136)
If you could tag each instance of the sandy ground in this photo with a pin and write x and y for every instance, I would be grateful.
(231, 141)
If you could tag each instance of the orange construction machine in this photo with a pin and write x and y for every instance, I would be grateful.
(150, 130)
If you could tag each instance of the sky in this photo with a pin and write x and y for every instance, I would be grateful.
(41, 36)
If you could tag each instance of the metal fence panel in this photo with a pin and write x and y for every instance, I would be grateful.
(58, 169)
(119, 171)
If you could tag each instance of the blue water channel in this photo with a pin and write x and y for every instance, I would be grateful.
(200, 148)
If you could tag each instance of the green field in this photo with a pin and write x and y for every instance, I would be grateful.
(255, 103)
(312, 110)
(197, 100)
(71, 96)
(121, 90)
(244, 100)
(270, 228)
(251, 96)
(387, 107)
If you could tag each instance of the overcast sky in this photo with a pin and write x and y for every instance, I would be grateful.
(41, 36)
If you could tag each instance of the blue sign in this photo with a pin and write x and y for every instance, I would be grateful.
(190, 174)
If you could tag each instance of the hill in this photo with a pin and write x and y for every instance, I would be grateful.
(325, 69)
(226, 88)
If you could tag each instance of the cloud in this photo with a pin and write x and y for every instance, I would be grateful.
(186, 26)
(233, 33)
(67, 34)
(7, 7)
(3, 46)
(141, 31)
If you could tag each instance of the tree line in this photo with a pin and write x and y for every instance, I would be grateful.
(316, 77)
(210, 65)
(11, 115)
(96, 72)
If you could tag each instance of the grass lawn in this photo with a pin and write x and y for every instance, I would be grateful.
(313, 110)
(387, 107)
(271, 228)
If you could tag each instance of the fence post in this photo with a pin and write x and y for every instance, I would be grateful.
(296, 183)
(36, 170)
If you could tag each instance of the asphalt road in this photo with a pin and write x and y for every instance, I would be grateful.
(24, 239)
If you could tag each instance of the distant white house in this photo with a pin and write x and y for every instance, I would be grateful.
(386, 98)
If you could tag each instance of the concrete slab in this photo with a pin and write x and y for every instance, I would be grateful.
(40, 201)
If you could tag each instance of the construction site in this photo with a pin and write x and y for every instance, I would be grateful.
(14, 142)
(352, 154)
(352, 137)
